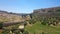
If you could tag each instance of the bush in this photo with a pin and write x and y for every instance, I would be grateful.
(43, 33)
(6, 32)
(25, 23)
(16, 31)
(32, 21)
(44, 22)
(1, 25)
(25, 32)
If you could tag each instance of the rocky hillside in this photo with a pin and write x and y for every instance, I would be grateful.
(48, 15)
(9, 16)
(54, 11)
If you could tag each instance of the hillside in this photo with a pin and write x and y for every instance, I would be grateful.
(9, 16)
(41, 21)
(47, 11)
(47, 21)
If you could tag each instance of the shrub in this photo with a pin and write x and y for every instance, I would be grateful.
(6, 32)
(32, 21)
(16, 31)
(25, 23)
(25, 32)
(1, 25)
(43, 33)
(44, 22)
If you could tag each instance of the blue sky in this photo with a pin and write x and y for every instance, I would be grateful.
(26, 6)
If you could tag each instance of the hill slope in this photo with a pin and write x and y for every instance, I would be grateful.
(9, 16)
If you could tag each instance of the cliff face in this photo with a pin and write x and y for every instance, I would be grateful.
(47, 11)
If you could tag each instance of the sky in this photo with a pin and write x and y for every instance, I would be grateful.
(27, 6)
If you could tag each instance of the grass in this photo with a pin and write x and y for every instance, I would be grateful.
(39, 28)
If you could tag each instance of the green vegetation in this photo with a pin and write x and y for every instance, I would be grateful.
(25, 32)
(1, 25)
(6, 32)
(39, 28)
